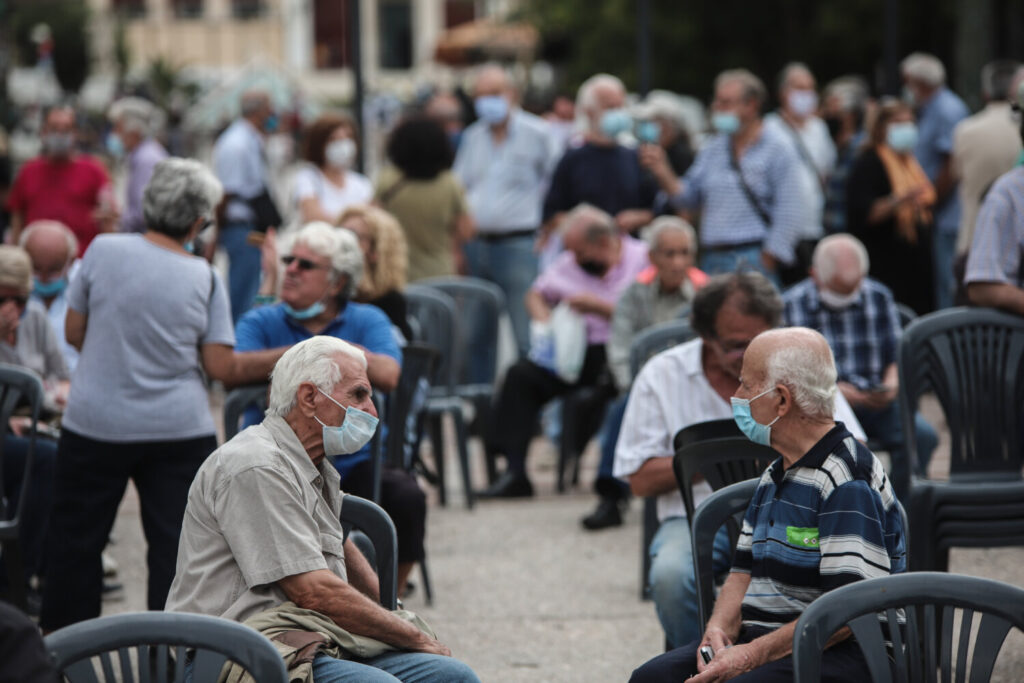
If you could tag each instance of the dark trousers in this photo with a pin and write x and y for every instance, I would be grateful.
(527, 388)
(842, 663)
(403, 500)
(38, 493)
(89, 484)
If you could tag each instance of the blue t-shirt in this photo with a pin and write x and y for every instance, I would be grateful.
(269, 327)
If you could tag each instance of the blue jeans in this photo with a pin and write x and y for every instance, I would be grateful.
(393, 666)
(672, 579)
(607, 486)
(728, 260)
(945, 251)
(511, 264)
(244, 267)
(886, 427)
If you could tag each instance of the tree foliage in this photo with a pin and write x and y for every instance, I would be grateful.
(69, 21)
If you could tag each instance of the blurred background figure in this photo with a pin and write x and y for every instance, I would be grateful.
(53, 249)
(132, 141)
(843, 109)
(326, 185)
(447, 110)
(561, 120)
(419, 190)
(661, 120)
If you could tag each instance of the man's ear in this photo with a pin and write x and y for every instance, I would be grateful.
(338, 286)
(785, 399)
(305, 398)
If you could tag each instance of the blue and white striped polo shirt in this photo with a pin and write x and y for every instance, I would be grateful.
(827, 521)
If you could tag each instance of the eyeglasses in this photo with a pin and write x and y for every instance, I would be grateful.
(302, 263)
(20, 300)
(732, 346)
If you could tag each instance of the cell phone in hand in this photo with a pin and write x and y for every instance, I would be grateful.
(707, 654)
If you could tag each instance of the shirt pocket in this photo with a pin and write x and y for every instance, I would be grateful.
(333, 546)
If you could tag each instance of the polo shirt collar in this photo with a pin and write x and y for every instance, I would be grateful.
(295, 324)
(292, 448)
(815, 457)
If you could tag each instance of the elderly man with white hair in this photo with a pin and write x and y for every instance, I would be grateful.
(859, 318)
(938, 112)
(262, 526)
(134, 120)
(602, 172)
(53, 249)
(823, 516)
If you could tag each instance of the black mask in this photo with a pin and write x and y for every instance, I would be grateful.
(834, 124)
(595, 268)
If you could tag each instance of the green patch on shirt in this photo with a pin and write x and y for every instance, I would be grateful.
(802, 536)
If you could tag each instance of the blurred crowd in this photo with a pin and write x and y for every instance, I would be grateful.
(606, 214)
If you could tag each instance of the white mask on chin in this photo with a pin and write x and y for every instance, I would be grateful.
(837, 301)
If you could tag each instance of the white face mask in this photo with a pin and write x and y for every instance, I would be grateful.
(836, 301)
(355, 431)
(340, 154)
(802, 102)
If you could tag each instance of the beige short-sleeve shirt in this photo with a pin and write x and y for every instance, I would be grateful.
(258, 511)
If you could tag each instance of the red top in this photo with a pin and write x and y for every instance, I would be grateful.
(66, 191)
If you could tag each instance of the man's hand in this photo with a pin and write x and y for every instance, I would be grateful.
(630, 220)
(10, 314)
(654, 159)
(769, 262)
(589, 303)
(871, 400)
(432, 647)
(20, 426)
(729, 662)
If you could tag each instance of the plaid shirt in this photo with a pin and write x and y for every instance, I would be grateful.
(864, 337)
(834, 219)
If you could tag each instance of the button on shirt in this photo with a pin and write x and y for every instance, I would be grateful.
(995, 254)
(505, 182)
(771, 170)
(238, 161)
(864, 336)
(258, 511)
(936, 120)
(564, 278)
(670, 393)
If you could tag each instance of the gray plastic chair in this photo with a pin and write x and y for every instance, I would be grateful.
(123, 643)
(941, 611)
(237, 401)
(972, 359)
(655, 339)
(17, 386)
(370, 519)
(440, 327)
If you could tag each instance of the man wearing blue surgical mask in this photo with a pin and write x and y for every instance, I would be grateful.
(859, 318)
(133, 120)
(504, 161)
(602, 172)
(53, 250)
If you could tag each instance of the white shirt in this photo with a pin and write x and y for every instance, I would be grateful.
(670, 393)
(239, 164)
(818, 146)
(56, 314)
(310, 181)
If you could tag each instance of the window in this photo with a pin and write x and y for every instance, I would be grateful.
(187, 9)
(330, 34)
(247, 9)
(129, 9)
(458, 12)
(395, 18)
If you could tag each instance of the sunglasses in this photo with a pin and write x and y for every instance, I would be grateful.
(20, 300)
(302, 263)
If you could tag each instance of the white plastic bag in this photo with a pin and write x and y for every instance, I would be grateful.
(560, 344)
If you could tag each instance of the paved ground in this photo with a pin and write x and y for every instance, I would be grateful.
(522, 593)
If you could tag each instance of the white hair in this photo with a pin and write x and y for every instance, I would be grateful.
(254, 101)
(312, 360)
(15, 268)
(134, 114)
(585, 96)
(662, 224)
(826, 253)
(180, 192)
(791, 70)
(924, 67)
(48, 225)
(338, 245)
(595, 222)
(806, 367)
(753, 87)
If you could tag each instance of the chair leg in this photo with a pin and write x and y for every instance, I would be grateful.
(428, 591)
(463, 448)
(15, 573)
(434, 428)
(483, 417)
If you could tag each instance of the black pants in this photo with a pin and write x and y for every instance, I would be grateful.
(89, 484)
(38, 491)
(526, 389)
(403, 500)
(842, 663)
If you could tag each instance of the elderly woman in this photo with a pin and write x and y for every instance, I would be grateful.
(386, 261)
(149, 318)
(326, 184)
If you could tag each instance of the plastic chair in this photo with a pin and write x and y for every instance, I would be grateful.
(720, 461)
(439, 323)
(653, 340)
(237, 401)
(153, 646)
(370, 519)
(907, 315)
(940, 611)
(972, 360)
(17, 386)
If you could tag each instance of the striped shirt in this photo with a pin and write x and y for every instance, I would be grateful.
(995, 254)
(864, 336)
(829, 520)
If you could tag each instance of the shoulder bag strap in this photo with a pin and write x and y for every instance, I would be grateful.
(751, 197)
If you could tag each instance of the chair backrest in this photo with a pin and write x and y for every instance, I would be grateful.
(406, 400)
(18, 387)
(973, 360)
(237, 401)
(152, 646)
(482, 302)
(907, 315)
(439, 326)
(654, 340)
(725, 506)
(944, 613)
(370, 518)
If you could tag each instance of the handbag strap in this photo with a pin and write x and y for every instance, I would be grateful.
(389, 194)
(805, 154)
(751, 197)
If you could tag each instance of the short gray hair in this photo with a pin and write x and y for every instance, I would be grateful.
(254, 101)
(15, 268)
(663, 224)
(180, 192)
(339, 246)
(851, 92)
(43, 225)
(924, 67)
(996, 78)
(311, 360)
(807, 369)
(753, 87)
(595, 222)
(134, 114)
(789, 70)
(826, 251)
(585, 99)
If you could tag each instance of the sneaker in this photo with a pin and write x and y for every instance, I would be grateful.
(606, 515)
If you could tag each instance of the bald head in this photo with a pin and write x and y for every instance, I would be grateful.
(799, 359)
(51, 247)
(840, 263)
(490, 80)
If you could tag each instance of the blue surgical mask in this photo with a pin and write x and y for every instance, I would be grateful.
(115, 146)
(44, 290)
(754, 430)
(901, 137)
(648, 131)
(725, 122)
(614, 122)
(271, 123)
(355, 431)
(306, 313)
(492, 109)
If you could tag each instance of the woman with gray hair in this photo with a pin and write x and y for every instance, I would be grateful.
(149, 319)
